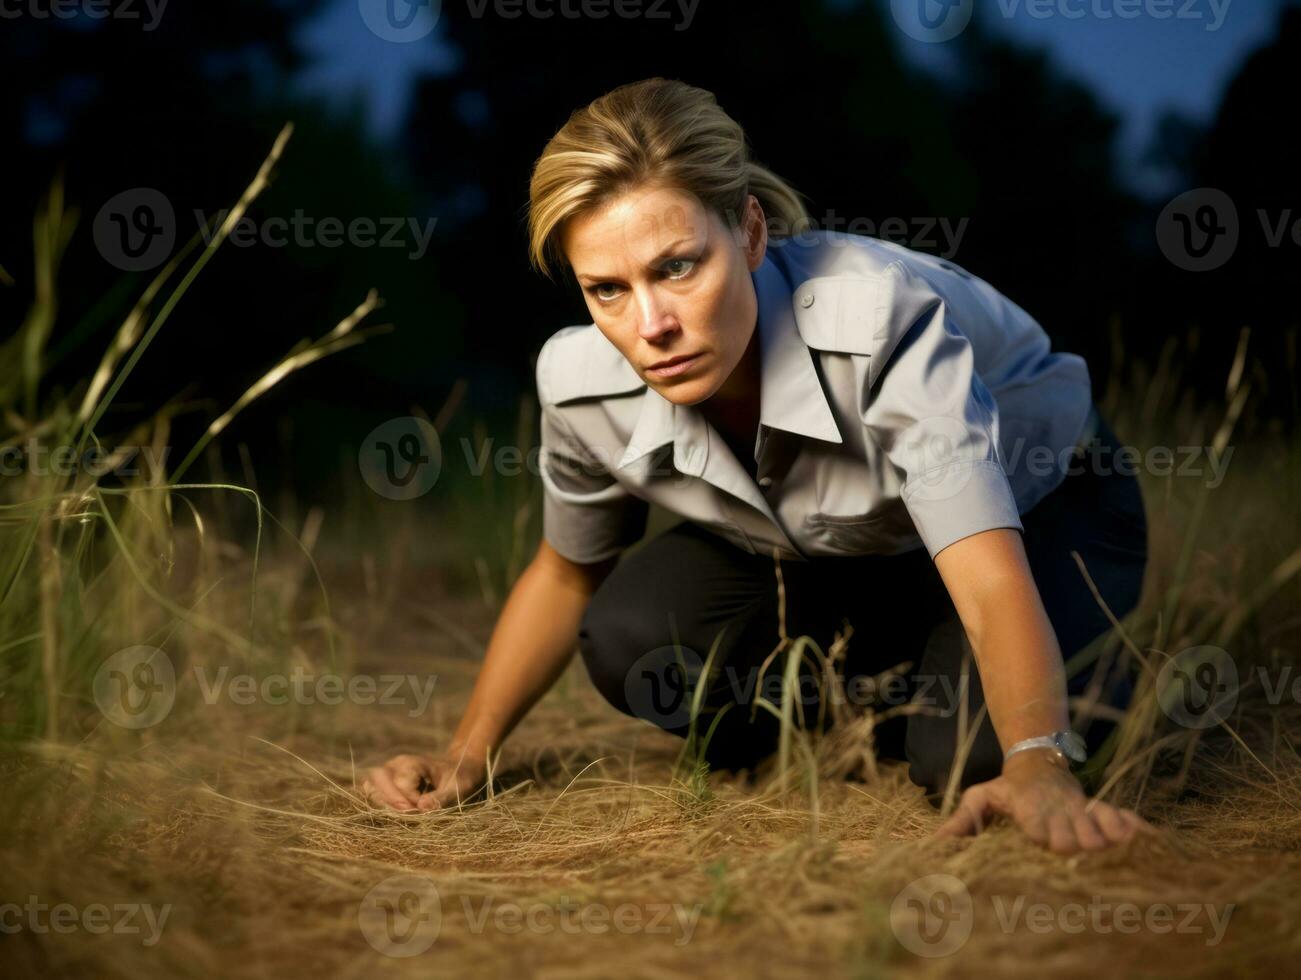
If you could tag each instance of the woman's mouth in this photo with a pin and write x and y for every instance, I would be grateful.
(675, 366)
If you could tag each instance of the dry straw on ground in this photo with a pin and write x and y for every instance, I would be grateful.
(249, 823)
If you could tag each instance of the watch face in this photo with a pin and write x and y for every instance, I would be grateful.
(1072, 746)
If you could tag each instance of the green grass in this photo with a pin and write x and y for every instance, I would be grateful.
(88, 557)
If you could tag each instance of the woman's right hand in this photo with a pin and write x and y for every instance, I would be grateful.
(424, 782)
(533, 640)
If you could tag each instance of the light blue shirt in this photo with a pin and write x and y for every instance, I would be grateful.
(904, 403)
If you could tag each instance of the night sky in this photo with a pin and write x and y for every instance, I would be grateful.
(1138, 65)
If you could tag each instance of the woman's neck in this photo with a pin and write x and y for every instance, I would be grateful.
(734, 408)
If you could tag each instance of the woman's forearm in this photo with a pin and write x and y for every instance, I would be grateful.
(1024, 681)
(1016, 649)
(1020, 666)
(530, 646)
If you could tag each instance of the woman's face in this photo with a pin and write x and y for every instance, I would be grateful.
(666, 280)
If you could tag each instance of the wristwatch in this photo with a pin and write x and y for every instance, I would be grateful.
(1068, 744)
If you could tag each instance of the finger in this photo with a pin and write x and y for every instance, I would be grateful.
(439, 797)
(1137, 822)
(1087, 832)
(456, 790)
(449, 789)
(1113, 825)
(370, 792)
(1061, 834)
(429, 801)
(389, 794)
(407, 773)
(962, 822)
(447, 794)
(969, 817)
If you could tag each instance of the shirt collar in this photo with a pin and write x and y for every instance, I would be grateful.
(791, 396)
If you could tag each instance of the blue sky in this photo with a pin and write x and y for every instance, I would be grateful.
(1139, 64)
(353, 63)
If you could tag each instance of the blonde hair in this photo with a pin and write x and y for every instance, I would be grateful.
(658, 131)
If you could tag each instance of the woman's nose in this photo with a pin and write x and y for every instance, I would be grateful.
(654, 318)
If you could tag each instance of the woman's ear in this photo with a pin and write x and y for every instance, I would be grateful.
(754, 233)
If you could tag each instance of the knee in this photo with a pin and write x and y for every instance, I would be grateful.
(635, 668)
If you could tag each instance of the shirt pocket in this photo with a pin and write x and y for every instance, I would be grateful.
(850, 534)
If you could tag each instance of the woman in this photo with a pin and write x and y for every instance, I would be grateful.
(883, 427)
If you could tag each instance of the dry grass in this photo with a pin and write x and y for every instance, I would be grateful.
(246, 820)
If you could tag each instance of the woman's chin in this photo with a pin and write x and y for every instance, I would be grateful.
(688, 391)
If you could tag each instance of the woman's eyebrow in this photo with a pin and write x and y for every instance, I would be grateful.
(667, 251)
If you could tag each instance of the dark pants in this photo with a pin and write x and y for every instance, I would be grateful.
(667, 602)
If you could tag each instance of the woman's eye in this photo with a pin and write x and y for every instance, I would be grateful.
(674, 268)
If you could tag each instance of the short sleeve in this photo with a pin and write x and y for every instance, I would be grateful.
(938, 424)
(587, 515)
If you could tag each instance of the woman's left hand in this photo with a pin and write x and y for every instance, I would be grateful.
(1048, 803)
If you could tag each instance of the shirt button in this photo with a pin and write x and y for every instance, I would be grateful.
(765, 481)
(806, 300)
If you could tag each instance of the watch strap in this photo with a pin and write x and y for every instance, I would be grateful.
(1067, 744)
